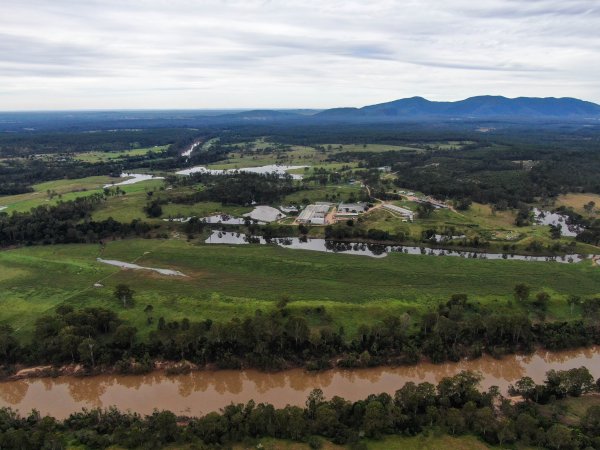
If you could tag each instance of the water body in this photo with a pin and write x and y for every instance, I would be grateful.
(201, 392)
(222, 219)
(272, 168)
(189, 151)
(550, 218)
(133, 178)
(131, 266)
(377, 250)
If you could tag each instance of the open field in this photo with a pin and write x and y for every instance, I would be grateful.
(331, 193)
(61, 190)
(576, 201)
(127, 207)
(94, 157)
(226, 281)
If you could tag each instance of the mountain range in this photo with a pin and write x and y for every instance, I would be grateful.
(415, 109)
(474, 107)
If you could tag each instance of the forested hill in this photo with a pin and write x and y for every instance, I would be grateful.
(482, 107)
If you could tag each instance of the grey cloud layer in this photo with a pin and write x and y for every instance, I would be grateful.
(195, 54)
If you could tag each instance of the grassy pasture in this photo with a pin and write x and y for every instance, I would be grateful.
(99, 156)
(225, 281)
(65, 190)
(576, 201)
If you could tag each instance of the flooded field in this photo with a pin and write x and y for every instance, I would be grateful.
(201, 392)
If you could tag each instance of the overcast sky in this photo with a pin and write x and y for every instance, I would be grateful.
(108, 54)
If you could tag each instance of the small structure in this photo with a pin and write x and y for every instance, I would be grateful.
(433, 202)
(406, 213)
(385, 169)
(314, 214)
(289, 209)
(264, 213)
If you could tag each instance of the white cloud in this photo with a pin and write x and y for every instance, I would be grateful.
(228, 54)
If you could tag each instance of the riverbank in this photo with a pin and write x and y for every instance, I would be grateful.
(201, 391)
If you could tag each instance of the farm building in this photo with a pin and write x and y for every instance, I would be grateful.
(314, 214)
(345, 210)
(406, 213)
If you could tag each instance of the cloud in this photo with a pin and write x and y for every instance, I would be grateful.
(232, 53)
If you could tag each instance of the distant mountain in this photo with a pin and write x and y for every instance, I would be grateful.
(482, 107)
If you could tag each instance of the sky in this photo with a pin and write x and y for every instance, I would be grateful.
(170, 54)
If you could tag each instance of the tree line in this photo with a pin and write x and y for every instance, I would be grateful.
(65, 223)
(284, 337)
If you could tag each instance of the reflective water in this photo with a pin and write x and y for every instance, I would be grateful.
(550, 218)
(126, 265)
(201, 392)
(133, 178)
(375, 250)
(272, 168)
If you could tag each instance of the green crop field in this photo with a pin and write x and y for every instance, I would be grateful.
(225, 281)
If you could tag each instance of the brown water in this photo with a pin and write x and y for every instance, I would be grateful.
(201, 392)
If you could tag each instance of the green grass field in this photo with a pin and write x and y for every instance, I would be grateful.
(52, 192)
(226, 281)
(64, 190)
(95, 157)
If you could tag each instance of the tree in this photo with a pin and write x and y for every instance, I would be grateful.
(69, 341)
(573, 301)
(424, 210)
(8, 343)
(124, 336)
(559, 437)
(521, 292)
(589, 207)
(506, 432)
(484, 421)
(541, 300)
(591, 420)
(86, 350)
(153, 209)
(124, 294)
(455, 421)
(315, 398)
(375, 419)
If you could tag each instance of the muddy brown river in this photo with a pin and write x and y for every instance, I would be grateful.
(201, 392)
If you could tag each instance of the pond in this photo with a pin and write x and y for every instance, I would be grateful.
(375, 250)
